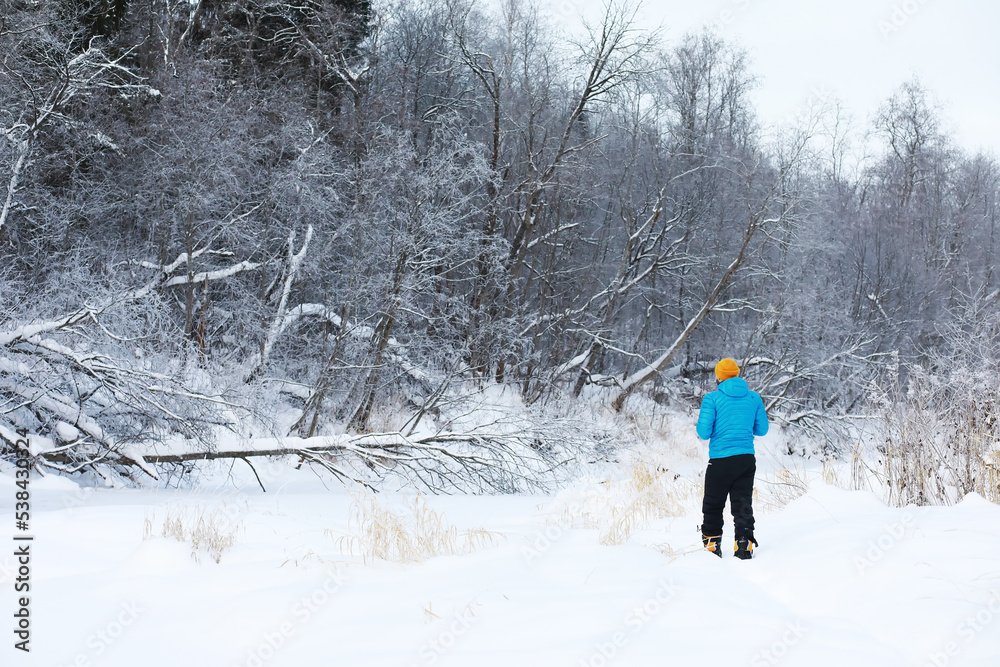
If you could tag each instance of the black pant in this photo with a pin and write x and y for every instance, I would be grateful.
(730, 476)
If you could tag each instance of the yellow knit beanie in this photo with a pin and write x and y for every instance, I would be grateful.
(726, 369)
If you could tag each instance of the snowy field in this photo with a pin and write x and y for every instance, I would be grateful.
(838, 579)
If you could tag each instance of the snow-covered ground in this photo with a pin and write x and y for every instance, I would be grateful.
(838, 579)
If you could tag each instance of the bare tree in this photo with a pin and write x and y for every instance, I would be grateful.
(766, 210)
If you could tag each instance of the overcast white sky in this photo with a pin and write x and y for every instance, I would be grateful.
(858, 50)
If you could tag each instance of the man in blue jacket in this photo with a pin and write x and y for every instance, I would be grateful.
(730, 417)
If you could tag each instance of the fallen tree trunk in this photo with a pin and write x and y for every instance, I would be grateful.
(479, 460)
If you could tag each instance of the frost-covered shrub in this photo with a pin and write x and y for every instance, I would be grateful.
(940, 433)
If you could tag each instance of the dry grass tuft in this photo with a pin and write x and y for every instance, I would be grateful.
(771, 495)
(651, 493)
(212, 532)
(831, 473)
(989, 481)
(620, 507)
(304, 557)
(378, 533)
(673, 554)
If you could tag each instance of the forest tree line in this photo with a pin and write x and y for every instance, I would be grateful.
(360, 204)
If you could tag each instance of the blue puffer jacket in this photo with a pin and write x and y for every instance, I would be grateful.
(730, 418)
